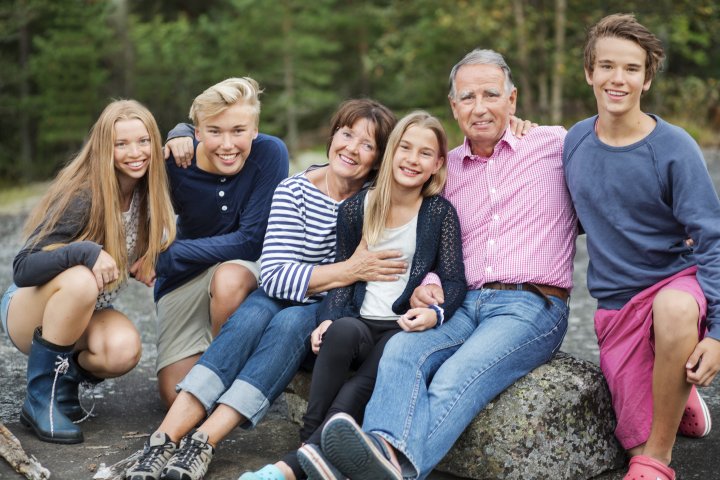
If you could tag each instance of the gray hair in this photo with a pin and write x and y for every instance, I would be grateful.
(483, 57)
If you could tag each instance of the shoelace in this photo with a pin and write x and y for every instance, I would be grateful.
(87, 387)
(188, 453)
(61, 367)
(151, 458)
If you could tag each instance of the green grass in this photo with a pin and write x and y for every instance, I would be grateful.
(20, 197)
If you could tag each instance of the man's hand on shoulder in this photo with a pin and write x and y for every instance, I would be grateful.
(520, 127)
(182, 150)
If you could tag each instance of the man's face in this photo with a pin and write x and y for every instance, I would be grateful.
(481, 105)
(618, 76)
(226, 139)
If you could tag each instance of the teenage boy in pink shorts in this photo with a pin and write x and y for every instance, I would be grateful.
(640, 188)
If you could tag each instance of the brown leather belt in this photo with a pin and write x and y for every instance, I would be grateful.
(544, 291)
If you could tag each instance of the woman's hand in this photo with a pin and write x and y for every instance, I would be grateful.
(105, 270)
(418, 319)
(316, 337)
(182, 150)
(135, 272)
(383, 266)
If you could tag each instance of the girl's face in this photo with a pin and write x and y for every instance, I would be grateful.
(353, 151)
(132, 150)
(416, 158)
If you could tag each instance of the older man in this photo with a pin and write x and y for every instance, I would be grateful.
(518, 230)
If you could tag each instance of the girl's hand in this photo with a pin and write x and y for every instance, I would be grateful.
(704, 362)
(181, 149)
(316, 337)
(418, 319)
(105, 269)
(367, 266)
(135, 273)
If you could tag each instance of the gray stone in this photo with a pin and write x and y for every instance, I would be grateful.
(557, 423)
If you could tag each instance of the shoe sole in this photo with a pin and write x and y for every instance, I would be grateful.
(705, 412)
(26, 421)
(347, 447)
(315, 466)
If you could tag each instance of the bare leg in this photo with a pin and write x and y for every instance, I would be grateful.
(183, 415)
(171, 375)
(222, 421)
(675, 326)
(63, 307)
(230, 285)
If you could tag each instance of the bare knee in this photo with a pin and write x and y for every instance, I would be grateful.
(231, 283)
(675, 316)
(123, 350)
(79, 282)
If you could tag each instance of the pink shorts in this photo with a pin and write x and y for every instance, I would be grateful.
(627, 354)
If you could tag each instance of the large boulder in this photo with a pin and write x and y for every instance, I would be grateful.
(557, 423)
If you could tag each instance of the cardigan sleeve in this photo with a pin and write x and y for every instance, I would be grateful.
(349, 235)
(450, 267)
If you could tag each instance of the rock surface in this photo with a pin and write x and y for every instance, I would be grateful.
(557, 423)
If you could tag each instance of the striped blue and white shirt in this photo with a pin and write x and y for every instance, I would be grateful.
(301, 233)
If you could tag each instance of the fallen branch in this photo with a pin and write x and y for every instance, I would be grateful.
(117, 471)
(12, 451)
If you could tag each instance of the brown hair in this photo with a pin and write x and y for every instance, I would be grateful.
(626, 27)
(350, 111)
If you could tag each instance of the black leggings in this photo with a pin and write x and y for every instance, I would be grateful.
(349, 343)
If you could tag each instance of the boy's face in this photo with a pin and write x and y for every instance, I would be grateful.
(226, 139)
(618, 78)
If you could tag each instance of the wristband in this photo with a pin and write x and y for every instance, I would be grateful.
(439, 312)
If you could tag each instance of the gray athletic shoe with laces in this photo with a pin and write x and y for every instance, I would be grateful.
(191, 460)
(156, 453)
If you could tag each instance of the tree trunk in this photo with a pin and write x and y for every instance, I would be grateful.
(26, 144)
(558, 62)
(525, 93)
(289, 84)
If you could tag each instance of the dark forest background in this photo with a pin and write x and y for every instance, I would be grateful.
(62, 61)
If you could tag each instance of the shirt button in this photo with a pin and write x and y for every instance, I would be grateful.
(221, 193)
(491, 242)
(492, 190)
(488, 269)
(496, 217)
(222, 180)
(491, 162)
(224, 208)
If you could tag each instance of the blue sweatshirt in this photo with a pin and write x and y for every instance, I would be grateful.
(220, 217)
(638, 204)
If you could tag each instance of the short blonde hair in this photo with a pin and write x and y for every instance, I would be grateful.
(224, 95)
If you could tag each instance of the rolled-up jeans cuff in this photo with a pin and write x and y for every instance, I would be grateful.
(247, 400)
(203, 384)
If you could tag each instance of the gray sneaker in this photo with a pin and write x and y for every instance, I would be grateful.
(191, 460)
(157, 451)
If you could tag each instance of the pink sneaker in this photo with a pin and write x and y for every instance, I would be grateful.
(696, 421)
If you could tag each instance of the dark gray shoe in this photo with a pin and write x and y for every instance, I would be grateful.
(191, 460)
(156, 453)
(315, 465)
(358, 455)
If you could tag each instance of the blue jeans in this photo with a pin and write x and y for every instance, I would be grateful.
(251, 361)
(432, 384)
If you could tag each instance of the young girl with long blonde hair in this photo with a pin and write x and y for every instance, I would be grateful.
(403, 212)
(105, 217)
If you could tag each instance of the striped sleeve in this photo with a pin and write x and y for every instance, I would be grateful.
(300, 234)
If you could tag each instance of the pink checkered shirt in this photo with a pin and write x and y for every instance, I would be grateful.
(517, 219)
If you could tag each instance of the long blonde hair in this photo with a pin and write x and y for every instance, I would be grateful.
(378, 208)
(92, 173)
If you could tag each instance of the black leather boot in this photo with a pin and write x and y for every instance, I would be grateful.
(47, 363)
